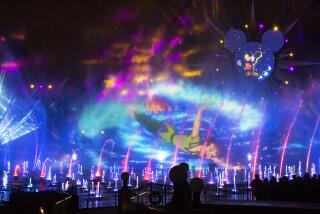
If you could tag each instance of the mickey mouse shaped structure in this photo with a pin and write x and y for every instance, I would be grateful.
(254, 59)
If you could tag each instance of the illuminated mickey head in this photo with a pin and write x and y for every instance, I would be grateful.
(254, 58)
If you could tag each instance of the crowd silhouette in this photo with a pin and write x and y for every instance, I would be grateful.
(302, 189)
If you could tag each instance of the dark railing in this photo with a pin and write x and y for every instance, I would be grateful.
(150, 194)
(159, 195)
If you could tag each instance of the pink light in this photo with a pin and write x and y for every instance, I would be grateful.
(256, 153)
(208, 135)
(175, 42)
(43, 170)
(9, 65)
(180, 138)
(202, 154)
(148, 171)
(125, 162)
(16, 170)
(2, 39)
(98, 173)
(286, 40)
(311, 142)
(70, 168)
(288, 136)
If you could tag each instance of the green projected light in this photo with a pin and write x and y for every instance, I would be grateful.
(101, 116)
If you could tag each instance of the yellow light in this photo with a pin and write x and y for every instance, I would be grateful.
(246, 26)
(32, 86)
(192, 73)
(286, 82)
(49, 86)
(291, 54)
(221, 41)
(275, 28)
(110, 82)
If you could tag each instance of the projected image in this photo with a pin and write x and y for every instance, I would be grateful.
(253, 58)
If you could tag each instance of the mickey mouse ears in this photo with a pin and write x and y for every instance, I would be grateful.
(273, 39)
(234, 39)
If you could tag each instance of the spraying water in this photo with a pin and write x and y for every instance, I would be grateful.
(207, 137)
(288, 136)
(70, 168)
(43, 170)
(311, 143)
(98, 173)
(228, 153)
(256, 152)
(16, 170)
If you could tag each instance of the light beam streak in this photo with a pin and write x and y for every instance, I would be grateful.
(256, 153)
(288, 136)
(43, 170)
(228, 153)
(230, 142)
(16, 170)
(207, 137)
(180, 138)
(98, 173)
(311, 143)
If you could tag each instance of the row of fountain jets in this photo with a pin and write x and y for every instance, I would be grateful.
(218, 176)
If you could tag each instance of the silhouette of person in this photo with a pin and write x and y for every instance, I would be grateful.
(257, 187)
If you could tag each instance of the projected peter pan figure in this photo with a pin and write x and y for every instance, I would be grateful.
(187, 143)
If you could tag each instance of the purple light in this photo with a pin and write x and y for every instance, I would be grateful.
(9, 66)
(156, 47)
(291, 69)
(286, 40)
(261, 26)
(175, 42)
(40, 86)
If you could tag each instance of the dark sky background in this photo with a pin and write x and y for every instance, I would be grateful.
(53, 37)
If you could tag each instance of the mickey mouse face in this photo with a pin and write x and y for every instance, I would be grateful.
(253, 58)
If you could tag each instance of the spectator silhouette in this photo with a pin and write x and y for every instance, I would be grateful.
(185, 186)
(257, 188)
(125, 193)
(179, 201)
(196, 185)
